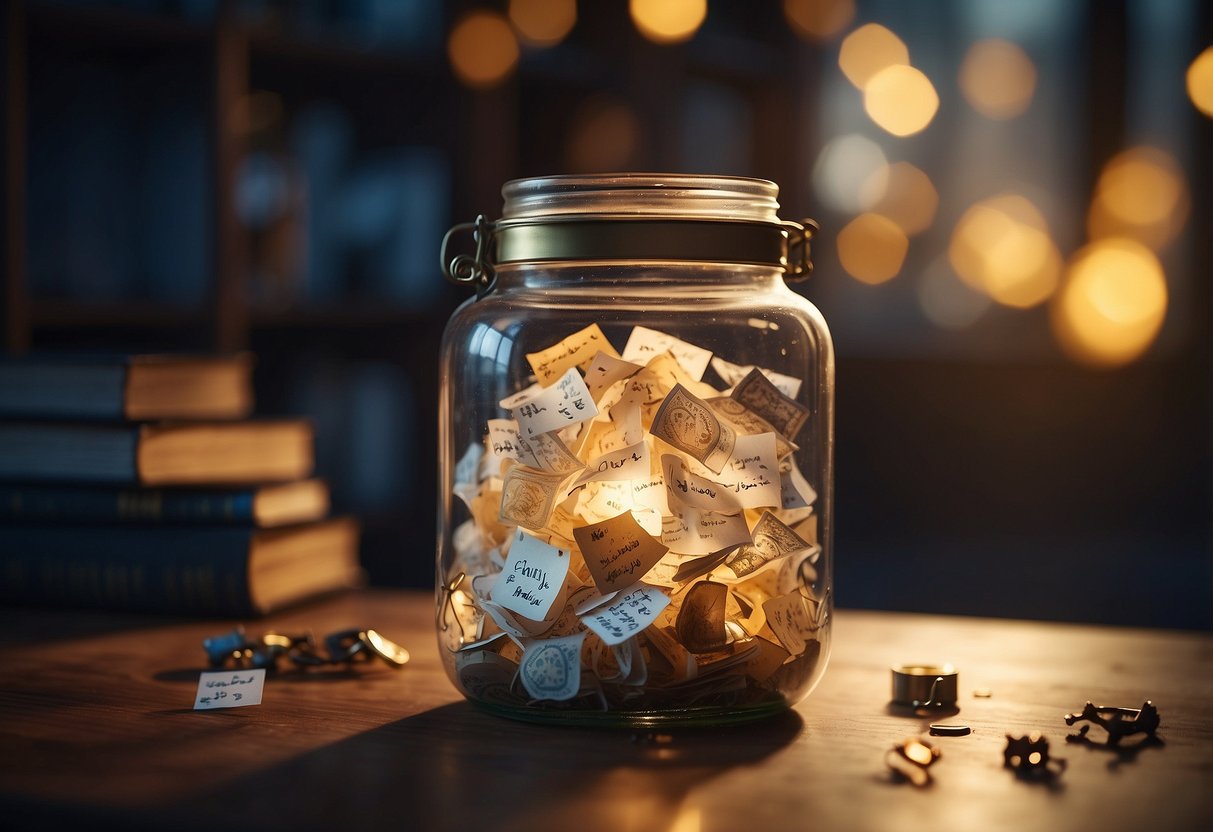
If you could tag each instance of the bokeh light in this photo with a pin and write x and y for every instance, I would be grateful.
(871, 248)
(910, 198)
(947, 301)
(668, 21)
(1200, 82)
(1113, 303)
(1141, 193)
(997, 78)
(482, 49)
(818, 20)
(851, 174)
(1001, 246)
(868, 50)
(543, 22)
(604, 135)
(900, 99)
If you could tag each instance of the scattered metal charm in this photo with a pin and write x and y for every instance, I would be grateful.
(921, 686)
(939, 729)
(911, 758)
(1118, 722)
(1028, 756)
(238, 651)
(982, 693)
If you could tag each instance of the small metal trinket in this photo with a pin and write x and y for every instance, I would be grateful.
(1029, 756)
(938, 729)
(236, 650)
(911, 758)
(924, 685)
(1118, 722)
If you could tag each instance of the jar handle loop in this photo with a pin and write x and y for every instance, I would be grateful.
(476, 269)
(799, 265)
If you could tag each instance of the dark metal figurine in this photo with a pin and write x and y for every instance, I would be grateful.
(1029, 756)
(1118, 722)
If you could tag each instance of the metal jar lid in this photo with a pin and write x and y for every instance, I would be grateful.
(632, 218)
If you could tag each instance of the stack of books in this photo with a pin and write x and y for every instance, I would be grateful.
(142, 484)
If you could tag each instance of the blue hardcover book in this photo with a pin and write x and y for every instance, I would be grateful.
(265, 506)
(181, 570)
(136, 388)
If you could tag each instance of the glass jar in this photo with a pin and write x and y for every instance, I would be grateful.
(635, 455)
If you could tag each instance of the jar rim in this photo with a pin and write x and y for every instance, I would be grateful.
(673, 195)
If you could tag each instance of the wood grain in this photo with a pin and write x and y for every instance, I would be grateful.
(97, 727)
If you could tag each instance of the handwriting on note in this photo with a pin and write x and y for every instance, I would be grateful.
(752, 472)
(551, 669)
(566, 402)
(578, 350)
(626, 614)
(731, 374)
(229, 689)
(645, 343)
(788, 617)
(533, 577)
(618, 551)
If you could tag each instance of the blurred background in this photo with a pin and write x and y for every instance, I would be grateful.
(1015, 255)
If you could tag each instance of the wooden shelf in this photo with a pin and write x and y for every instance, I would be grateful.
(102, 314)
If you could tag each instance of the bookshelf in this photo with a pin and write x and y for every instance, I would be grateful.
(240, 292)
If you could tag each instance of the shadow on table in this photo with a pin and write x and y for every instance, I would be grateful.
(455, 767)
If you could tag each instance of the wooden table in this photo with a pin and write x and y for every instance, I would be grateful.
(97, 729)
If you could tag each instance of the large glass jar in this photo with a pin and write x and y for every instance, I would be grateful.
(635, 455)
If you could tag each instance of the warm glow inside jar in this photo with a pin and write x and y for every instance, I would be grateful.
(635, 456)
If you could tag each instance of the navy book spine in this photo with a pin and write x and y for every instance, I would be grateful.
(124, 505)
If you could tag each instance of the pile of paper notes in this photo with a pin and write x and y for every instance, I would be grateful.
(637, 537)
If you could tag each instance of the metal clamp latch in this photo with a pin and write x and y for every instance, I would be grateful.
(799, 265)
(476, 269)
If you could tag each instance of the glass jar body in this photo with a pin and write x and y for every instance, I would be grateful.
(744, 625)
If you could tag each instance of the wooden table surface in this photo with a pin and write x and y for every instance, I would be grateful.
(97, 729)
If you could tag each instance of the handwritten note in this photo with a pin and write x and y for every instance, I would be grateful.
(689, 424)
(757, 393)
(566, 402)
(229, 689)
(604, 370)
(702, 493)
(532, 578)
(579, 349)
(549, 453)
(644, 343)
(629, 612)
(731, 374)
(617, 551)
(690, 531)
(551, 669)
(752, 472)
(504, 443)
(627, 463)
(789, 619)
(794, 490)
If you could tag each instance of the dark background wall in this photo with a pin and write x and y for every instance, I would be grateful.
(276, 176)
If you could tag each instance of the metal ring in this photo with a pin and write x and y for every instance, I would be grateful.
(924, 685)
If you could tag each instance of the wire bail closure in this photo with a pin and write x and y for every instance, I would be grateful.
(476, 269)
(784, 244)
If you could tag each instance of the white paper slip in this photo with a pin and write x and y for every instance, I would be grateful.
(731, 374)
(532, 578)
(627, 613)
(752, 472)
(566, 402)
(229, 689)
(645, 343)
